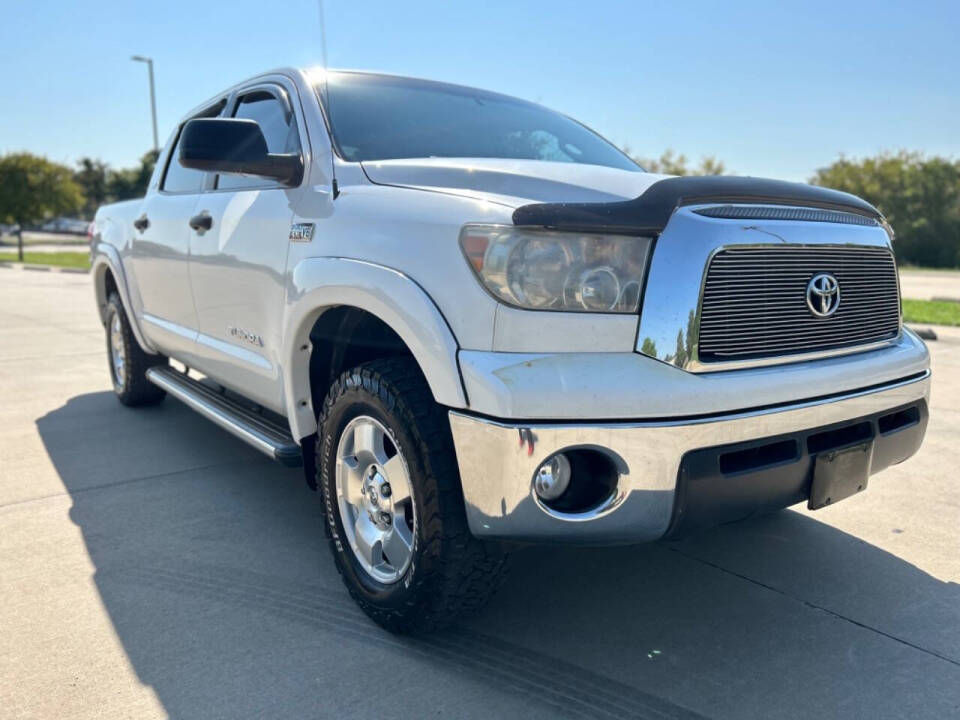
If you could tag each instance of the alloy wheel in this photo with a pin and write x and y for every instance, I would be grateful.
(375, 499)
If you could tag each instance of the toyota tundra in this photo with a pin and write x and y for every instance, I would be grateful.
(475, 322)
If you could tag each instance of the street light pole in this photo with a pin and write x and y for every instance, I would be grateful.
(153, 98)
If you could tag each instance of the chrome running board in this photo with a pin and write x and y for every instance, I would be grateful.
(267, 436)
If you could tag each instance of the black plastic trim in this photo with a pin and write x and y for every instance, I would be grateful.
(728, 483)
(649, 213)
(803, 214)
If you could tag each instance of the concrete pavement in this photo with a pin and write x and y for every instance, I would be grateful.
(930, 284)
(151, 565)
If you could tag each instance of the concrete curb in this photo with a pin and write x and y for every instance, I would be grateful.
(924, 332)
(43, 268)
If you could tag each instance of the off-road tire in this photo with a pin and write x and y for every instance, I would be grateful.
(134, 389)
(451, 572)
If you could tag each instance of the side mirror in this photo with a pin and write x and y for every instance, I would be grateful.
(235, 146)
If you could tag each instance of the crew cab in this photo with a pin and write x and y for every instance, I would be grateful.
(475, 322)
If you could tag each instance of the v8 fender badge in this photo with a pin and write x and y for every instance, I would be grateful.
(301, 232)
(245, 335)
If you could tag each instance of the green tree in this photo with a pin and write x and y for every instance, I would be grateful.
(681, 356)
(33, 188)
(669, 163)
(709, 165)
(132, 182)
(919, 196)
(92, 177)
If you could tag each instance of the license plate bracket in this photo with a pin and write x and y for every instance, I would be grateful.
(838, 474)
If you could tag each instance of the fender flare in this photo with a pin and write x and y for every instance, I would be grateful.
(319, 284)
(106, 257)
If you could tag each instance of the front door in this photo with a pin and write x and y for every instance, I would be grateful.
(237, 266)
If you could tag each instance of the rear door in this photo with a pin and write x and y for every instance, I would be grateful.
(237, 267)
(161, 252)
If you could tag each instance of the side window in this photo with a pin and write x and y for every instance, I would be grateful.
(279, 129)
(179, 179)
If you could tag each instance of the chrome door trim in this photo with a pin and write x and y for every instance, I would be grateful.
(171, 327)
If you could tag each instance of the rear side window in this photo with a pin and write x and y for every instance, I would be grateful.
(279, 129)
(179, 179)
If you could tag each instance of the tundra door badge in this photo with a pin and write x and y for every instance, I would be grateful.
(245, 335)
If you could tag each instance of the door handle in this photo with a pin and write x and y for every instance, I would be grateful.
(202, 222)
(141, 223)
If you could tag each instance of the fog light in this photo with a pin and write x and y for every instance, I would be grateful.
(553, 477)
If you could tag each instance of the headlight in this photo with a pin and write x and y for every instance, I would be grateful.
(544, 270)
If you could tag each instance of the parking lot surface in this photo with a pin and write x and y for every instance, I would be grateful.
(930, 284)
(151, 565)
(46, 242)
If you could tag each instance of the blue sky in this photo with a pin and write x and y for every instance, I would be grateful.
(772, 89)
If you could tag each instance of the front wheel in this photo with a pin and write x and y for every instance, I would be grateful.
(394, 506)
(128, 362)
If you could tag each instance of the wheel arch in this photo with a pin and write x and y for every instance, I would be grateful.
(107, 273)
(336, 300)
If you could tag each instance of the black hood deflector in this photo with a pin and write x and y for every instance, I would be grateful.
(650, 212)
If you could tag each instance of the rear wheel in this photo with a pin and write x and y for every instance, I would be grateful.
(128, 362)
(394, 507)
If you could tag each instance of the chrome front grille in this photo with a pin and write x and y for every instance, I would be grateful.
(754, 302)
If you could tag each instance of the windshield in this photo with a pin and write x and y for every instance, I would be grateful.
(376, 117)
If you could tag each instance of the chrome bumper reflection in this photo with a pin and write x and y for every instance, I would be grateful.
(498, 460)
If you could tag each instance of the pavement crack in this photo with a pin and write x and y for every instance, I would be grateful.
(815, 606)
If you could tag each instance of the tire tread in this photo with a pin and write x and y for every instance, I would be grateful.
(138, 390)
(459, 573)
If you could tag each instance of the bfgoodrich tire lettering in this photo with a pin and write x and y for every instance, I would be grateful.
(450, 572)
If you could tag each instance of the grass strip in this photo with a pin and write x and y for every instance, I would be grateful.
(59, 259)
(931, 312)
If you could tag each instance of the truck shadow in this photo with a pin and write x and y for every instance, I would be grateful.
(212, 565)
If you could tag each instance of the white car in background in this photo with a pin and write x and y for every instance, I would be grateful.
(72, 226)
(474, 322)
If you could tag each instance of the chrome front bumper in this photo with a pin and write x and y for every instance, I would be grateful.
(498, 459)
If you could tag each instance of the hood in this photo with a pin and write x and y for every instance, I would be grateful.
(513, 182)
(650, 212)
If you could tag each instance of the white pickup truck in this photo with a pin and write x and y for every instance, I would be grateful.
(475, 322)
